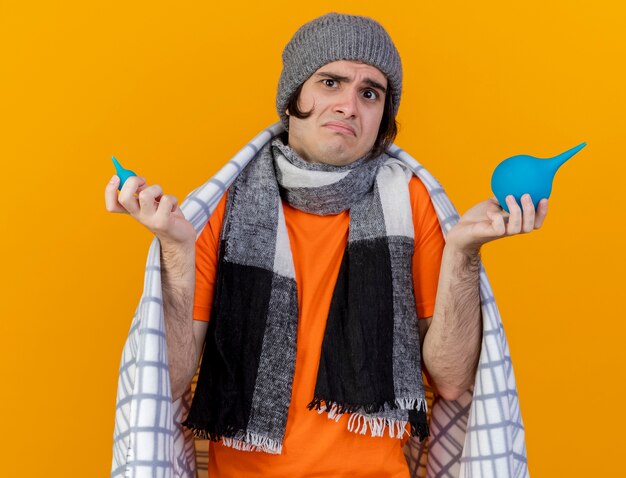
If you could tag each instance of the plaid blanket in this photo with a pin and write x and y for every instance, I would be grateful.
(479, 435)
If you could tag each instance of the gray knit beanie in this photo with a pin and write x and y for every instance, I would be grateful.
(334, 37)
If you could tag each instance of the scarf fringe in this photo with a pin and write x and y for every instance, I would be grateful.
(361, 423)
(201, 433)
(333, 413)
(337, 408)
(420, 429)
(244, 441)
(254, 442)
(412, 404)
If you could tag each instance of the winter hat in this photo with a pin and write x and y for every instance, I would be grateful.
(334, 37)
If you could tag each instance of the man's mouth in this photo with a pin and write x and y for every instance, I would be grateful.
(340, 127)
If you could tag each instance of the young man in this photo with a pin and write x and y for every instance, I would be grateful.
(314, 270)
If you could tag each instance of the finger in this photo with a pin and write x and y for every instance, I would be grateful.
(493, 205)
(148, 198)
(127, 197)
(167, 205)
(528, 215)
(110, 196)
(498, 209)
(542, 212)
(514, 225)
(497, 223)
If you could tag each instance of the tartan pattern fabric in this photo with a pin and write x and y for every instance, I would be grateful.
(479, 435)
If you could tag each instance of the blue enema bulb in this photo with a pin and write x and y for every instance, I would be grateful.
(523, 174)
(124, 174)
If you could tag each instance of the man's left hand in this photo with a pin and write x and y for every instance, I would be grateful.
(487, 221)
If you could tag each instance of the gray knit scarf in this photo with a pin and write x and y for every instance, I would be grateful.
(370, 359)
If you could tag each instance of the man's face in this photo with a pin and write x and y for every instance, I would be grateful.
(347, 100)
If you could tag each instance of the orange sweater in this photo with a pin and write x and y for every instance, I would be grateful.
(315, 446)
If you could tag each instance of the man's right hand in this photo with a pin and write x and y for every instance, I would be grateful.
(157, 211)
(161, 215)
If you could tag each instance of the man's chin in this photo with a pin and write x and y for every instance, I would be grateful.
(339, 154)
(336, 157)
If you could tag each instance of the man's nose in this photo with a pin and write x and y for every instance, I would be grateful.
(347, 102)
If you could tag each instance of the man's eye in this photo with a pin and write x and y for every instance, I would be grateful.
(329, 82)
(370, 94)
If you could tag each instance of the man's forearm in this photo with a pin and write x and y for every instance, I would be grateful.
(452, 344)
(178, 284)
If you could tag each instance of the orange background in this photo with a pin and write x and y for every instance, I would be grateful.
(174, 89)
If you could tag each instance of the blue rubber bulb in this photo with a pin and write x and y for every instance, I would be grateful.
(124, 174)
(519, 175)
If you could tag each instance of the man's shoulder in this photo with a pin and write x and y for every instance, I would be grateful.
(417, 189)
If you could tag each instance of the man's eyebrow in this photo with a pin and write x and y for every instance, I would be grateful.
(375, 84)
(336, 77)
